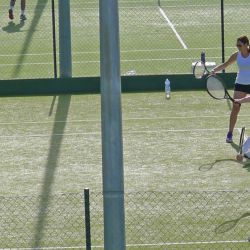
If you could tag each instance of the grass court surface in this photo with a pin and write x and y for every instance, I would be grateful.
(160, 137)
(179, 172)
(148, 36)
(47, 161)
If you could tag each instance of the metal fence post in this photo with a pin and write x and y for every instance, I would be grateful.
(65, 39)
(54, 37)
(111, 114)
(222, 34)
(87, 219)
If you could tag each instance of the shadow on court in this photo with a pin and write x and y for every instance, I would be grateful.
(230, 224)
(211, 165)
(51, 165)
(235, 146)
(40, 6)
(13, 27)
(247, 166)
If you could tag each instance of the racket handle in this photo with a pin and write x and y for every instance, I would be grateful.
(203, 57)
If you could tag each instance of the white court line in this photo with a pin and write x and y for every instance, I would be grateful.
(122, 51)
(189, 243)
(97, 61)
(49, 248)
(124, 119)
(173, 28)
(139, 245)
(124, 132)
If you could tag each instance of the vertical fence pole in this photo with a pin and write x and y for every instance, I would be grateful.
(54, 37)
(222, 34)
(65, 39)
(54, 51)
(87, 219)
(111, 114)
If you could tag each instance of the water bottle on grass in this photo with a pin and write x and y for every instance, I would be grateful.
(167, 88)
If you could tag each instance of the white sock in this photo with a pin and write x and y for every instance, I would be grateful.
(22, 12)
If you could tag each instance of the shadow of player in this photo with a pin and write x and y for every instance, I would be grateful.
(13, 27)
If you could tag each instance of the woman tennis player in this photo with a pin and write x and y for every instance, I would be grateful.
(242, 82)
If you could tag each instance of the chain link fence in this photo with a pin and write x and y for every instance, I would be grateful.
(154, 220)
(26, 47)
(37, 222)
(156, 36)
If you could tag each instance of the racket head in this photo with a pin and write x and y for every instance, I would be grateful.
(216, 88)
(226, 226)
(199, 70)
(206, 167)
(242, 135)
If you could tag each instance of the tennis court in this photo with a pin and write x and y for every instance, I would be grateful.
(182, 182)
(166, 143)
(155, 39)
(181, 134)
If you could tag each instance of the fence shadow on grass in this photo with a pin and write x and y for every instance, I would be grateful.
(40, 6)
(51, 165)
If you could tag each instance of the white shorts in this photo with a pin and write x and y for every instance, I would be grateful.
(246, 148)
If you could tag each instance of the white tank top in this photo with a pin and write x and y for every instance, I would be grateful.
(243, 76)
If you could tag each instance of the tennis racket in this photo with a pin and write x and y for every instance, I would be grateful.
(52, 105)
(240, 156)
(242, 136)
(216, 88)
(228, 225)
(200, 70)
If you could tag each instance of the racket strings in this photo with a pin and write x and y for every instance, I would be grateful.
(199, 70)
(215, 88)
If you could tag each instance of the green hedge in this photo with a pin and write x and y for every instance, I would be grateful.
(92, 84)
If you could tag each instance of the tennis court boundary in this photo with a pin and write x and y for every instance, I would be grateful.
(141, 245)
(172, 27)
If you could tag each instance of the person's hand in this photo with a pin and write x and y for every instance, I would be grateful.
(239, 157)
(212, 72)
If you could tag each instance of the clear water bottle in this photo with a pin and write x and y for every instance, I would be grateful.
(167, 88)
